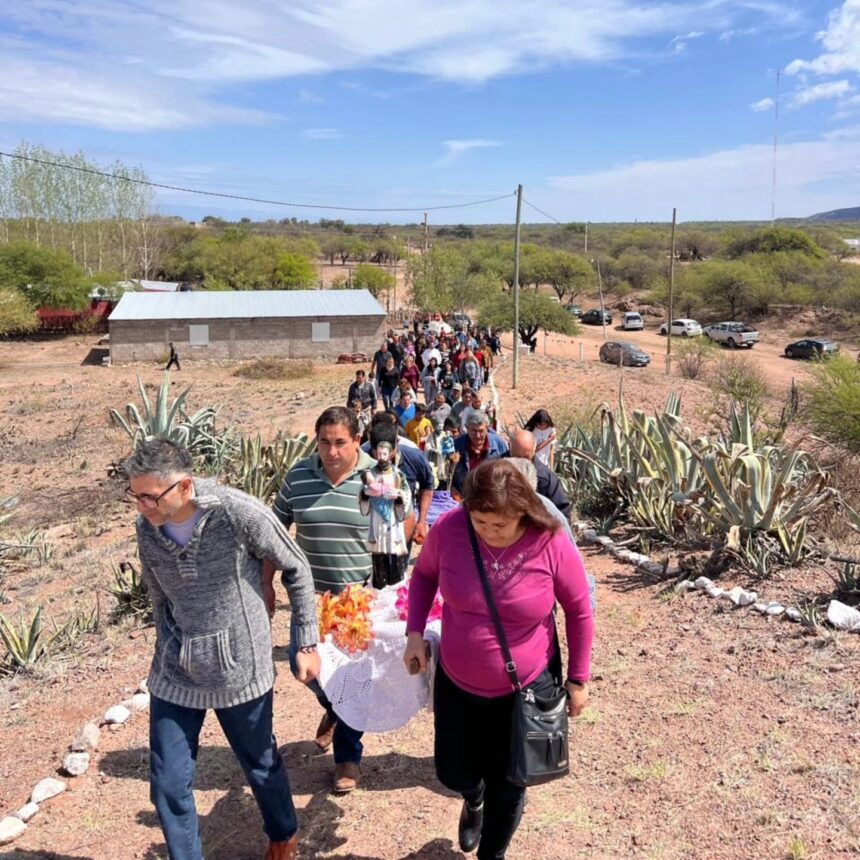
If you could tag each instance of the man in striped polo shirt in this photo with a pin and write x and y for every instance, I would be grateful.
(320, 495)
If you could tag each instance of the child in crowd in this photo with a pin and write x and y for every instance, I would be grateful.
(419, 428)
(541, 425)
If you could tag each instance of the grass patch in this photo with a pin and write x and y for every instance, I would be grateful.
(275, 369)
(656, 772)
(797, 849)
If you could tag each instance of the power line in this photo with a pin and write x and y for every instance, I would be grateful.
(252, 199)
(545, 214)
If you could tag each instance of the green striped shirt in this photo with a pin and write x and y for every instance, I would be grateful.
(330, 528)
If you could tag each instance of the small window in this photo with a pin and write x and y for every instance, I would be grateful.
(320, 332)
(198, 335)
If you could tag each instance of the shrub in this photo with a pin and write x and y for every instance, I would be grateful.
(740, 380)
(694, 355)
(276, 369)
(833, 401)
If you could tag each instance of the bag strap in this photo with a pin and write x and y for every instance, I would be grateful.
(510, 665)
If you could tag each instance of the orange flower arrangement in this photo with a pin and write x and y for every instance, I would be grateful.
(347, 617)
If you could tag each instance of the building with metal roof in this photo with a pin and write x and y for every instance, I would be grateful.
(245, 324)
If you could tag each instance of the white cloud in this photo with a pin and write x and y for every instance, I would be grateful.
(812, 176)
(174, 59)
(323, 133)
(308, 97)
(679, 43)
(841, 41)
(763, 105)
(820, 92)
(456, 148)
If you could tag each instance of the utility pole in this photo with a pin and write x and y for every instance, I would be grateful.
(585, 250)
(671, 297)
(516, 369)
(602, 308)
(425, 232)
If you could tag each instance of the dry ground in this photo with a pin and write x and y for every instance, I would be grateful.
(711, 733)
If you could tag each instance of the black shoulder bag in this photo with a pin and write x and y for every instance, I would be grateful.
(539, 728)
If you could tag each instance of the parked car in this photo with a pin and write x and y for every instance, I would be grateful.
(623, 352)
(812, 347)
(593, 317)
(682, 327)
(576, 310)
(733, 334)
(460, 320)
(631, 321)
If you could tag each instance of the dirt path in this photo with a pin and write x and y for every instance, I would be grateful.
(711, 733)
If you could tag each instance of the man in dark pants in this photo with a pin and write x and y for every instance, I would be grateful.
(174, 358)
(201, 549)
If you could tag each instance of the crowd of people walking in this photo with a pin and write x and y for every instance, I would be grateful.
(502, 558)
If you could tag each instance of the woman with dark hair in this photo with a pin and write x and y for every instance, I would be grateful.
(388, 379)
(430, 380)
(543, 429)
(530, 564)
(409, 372)
(447, 378)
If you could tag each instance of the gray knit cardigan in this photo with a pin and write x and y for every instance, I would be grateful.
(213, 645)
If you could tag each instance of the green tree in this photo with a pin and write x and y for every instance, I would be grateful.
(694, 245)
(294, 272)
(537, 312)
(568, 274)
(46, 277)
(16, 313)
(770, 240)
(369, 277)
(434, 277)
(733, 286)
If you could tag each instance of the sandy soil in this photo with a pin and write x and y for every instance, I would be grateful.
(711, 733)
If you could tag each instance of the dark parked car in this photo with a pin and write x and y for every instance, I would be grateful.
(812, 347)
(623, 352)
(593, 317)
(576, 310)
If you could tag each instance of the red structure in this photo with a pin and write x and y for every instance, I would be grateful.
(63, 321)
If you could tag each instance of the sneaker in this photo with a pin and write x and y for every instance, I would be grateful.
(288, 850)
(346, 776)
(471, 822)
(325, 731)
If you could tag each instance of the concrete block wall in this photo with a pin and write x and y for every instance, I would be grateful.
(146, 340)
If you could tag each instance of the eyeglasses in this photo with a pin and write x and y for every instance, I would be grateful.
(147, 500)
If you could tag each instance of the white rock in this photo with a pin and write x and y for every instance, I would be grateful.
(604, 540)
(625, 554)
(713, 590)
(774, 608)
(589, 536)
(741, 597)
(86, 739)
(760, 607)
(10, 829)
(143, 687)
(140, 702)
(76, 763)
(843, 617)
(638, 558)
(117, 714)
(684, 585)
(27, 811)
(47, 788)
(792, 613)
(703, 582)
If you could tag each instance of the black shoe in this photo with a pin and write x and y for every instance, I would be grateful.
(471, 822)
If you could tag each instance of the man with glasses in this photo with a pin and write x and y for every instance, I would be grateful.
(202, 548)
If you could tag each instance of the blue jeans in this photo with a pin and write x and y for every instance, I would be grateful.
(174, 734)
(347, 741)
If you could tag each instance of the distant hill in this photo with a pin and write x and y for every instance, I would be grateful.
(852, 214)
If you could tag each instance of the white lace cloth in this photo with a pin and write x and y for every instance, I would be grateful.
(371, 690)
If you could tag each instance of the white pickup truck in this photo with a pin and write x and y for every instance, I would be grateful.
(733, 334)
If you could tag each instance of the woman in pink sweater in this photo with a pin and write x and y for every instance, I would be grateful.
(530, 564)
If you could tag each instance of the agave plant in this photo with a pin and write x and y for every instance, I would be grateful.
(260, 469)
(130, 593)
(25, 641)
(166, 420)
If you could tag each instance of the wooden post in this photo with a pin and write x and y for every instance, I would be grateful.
(516, 290)
(671, 297)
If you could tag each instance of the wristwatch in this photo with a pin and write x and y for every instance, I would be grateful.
(308, 649)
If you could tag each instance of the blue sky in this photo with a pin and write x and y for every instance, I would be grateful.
(603, 109)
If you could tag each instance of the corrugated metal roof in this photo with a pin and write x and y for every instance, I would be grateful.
(247, 304)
